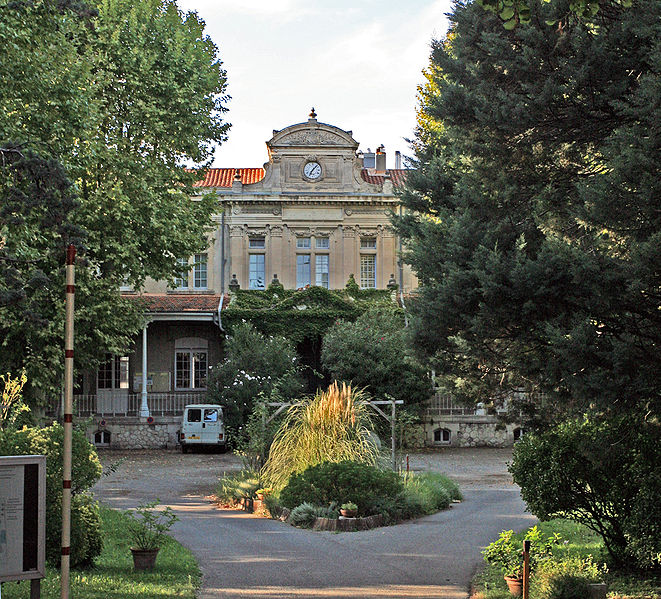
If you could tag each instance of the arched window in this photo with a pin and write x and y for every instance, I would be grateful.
(442, 436)
(102, 438)
(518, 433)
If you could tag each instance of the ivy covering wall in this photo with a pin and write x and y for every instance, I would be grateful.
(300, 314)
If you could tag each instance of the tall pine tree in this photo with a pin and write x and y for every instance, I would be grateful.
(534, 218)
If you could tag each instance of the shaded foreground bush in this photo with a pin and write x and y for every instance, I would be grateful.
(86, 540)
(603, 474)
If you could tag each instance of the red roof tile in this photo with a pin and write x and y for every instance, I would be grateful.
(397, 176)
(174, 302)
(223, 177)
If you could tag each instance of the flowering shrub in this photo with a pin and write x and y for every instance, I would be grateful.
(254, 363)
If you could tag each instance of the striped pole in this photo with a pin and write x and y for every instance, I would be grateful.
(68, 424)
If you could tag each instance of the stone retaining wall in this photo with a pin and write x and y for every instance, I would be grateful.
(471, 431)
(135, 433)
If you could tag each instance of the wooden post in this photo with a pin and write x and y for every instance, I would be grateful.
(68, 424)
(391, 419)
(35, 588)
(526, 569)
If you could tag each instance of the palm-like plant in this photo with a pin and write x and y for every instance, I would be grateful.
(332, 426)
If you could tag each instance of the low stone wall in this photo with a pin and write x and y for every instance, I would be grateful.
(135, 433)
(471, 431)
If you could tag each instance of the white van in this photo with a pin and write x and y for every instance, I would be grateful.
(202, 425)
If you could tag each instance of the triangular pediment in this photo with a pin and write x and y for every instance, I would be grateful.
(312, 134)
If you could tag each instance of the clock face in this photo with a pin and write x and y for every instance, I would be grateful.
(312, 170)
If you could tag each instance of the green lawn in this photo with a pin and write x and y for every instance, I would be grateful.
(581, 542)
(176, 573)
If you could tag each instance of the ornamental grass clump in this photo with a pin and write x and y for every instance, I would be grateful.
(332, 426)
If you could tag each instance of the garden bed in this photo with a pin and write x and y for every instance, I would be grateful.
(578, 543)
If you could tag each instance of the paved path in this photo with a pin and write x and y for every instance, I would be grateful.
(242, 556)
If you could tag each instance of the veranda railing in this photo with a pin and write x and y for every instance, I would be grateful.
(160, 404)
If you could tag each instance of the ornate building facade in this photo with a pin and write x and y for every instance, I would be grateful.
(316, 213)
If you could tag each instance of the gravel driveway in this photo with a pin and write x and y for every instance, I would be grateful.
(243, 556)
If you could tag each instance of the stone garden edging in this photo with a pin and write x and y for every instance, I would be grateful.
(348, 524)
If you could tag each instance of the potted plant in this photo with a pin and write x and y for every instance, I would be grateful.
(261, 493)
(506, 554)
(147, 531)
(349, 510)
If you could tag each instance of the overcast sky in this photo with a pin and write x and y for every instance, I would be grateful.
(357, 63)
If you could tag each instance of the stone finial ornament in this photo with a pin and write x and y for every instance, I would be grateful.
(313, 114)
(234, 284)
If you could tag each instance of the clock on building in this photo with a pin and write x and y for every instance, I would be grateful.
(312, 170)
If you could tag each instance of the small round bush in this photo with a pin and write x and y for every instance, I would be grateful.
(341, 482)
(303, 515)
(569, 586)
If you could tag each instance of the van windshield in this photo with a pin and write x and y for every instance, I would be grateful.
(195, 415)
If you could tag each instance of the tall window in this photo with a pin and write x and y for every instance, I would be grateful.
(256, 276)
(200, 271)
(302, 270)
(321, 270)
(368, 271)
(190, 369)
(181, 280)
(113, 373)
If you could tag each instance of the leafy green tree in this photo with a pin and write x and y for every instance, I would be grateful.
(37, 201)
(159, 94)
(254, 365)
(101, 105)
(373, 353)
(534, 218)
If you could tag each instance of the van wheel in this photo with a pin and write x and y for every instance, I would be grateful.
(184, 449)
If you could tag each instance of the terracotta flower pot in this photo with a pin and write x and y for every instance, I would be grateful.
(515, 585)
(348, 513)
(144, 559)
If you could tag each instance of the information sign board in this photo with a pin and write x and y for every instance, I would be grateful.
(22, 517)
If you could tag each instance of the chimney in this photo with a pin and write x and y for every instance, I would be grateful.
(369, 160)
(380, 159)
(398, 159)
(237, 184)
